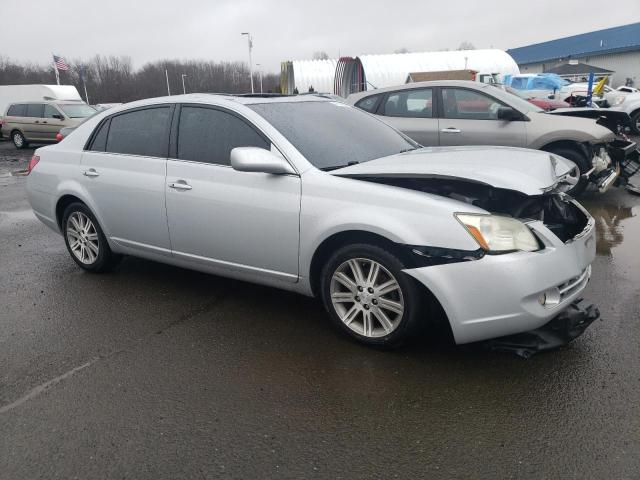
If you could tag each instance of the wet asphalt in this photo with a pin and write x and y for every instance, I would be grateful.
(158, 372)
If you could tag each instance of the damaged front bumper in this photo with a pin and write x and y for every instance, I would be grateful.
(561, 330)
(500, 295)
(614, 164)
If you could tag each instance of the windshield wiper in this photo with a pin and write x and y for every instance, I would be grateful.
(409, 149)
(336, 167)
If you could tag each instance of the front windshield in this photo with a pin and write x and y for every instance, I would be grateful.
(332, 134)
(80, 110)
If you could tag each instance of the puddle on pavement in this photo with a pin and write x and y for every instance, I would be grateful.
(617, 234)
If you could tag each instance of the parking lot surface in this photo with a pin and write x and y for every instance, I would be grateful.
(157, 372)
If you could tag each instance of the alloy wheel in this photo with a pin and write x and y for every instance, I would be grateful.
(83, 238)
(367, 297)
(18, 141)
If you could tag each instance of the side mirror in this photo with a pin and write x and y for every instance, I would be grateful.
(58, 116)
(254, 159)
(508, 114)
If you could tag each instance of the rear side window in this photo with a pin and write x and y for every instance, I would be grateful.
(410, 103)
(208, 135)
(99, 142)
(35, 110)
(369, 104)
(17, 110)
(141, 132)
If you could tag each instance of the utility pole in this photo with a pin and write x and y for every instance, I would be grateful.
(250, 42)
(260, 73)
(184, 90)
(166, 74)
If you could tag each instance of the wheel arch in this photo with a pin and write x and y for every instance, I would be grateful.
(348, 237)
(62, 204)
(570, 144)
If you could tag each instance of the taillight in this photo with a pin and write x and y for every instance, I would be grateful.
(59, 137)
(32, 163)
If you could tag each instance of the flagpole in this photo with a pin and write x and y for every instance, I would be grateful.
(84, 83)
(55, 67)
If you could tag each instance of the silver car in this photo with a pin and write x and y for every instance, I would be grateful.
(317, 197)
(455, 112)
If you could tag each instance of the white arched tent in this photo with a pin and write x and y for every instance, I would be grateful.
(365, 72)
(309, 73)
(389, 70)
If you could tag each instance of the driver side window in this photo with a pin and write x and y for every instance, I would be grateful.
(50, 111)
(466, 104)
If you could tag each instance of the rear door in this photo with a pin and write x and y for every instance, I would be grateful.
(235, 221)
(469, 117)
(412, 112)
(124, 170)
(32, 124)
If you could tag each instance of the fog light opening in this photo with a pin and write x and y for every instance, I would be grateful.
(549, 298)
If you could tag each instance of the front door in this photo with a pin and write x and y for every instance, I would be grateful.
(52, 121)
(123, 172)
(470, 118)
(238, 221)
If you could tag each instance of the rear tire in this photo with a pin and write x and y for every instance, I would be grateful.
(379, 305)
(583, 164)
(85, 240)
(18, 140)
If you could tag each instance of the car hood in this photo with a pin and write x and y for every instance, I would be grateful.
(531, 172)
(609, 119)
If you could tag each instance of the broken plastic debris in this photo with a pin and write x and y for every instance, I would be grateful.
(558, 332)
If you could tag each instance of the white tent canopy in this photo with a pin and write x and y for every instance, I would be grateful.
(377, 71)
(389, 70)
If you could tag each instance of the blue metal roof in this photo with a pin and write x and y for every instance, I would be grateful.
(600, 42)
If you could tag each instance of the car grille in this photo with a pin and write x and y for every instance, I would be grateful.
(575, 284)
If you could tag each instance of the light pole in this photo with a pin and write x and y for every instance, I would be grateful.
(260, 73)
(250, 42)
(184, 90)
(166, 74)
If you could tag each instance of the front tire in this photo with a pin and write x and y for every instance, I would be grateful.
(583, 165)
(18, 140)
(85, 240)
(635, 122)
(369, 298)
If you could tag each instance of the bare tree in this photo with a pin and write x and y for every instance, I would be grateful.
(320, 55)
(402, 50)
(466, 46)
(113, 79)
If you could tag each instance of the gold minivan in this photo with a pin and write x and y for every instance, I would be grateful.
(39, 122)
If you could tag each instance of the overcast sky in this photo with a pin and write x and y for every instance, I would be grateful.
(288, 30)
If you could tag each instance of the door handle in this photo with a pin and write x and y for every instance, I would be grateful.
(36, 121)
(180, 185)
(91, 173)
(451, 130)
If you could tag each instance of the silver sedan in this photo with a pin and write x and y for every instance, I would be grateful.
(314, 196)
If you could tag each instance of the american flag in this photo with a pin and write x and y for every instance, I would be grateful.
(60, 63)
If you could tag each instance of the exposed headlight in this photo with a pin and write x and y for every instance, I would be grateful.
(618, 100)
(499, 234)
